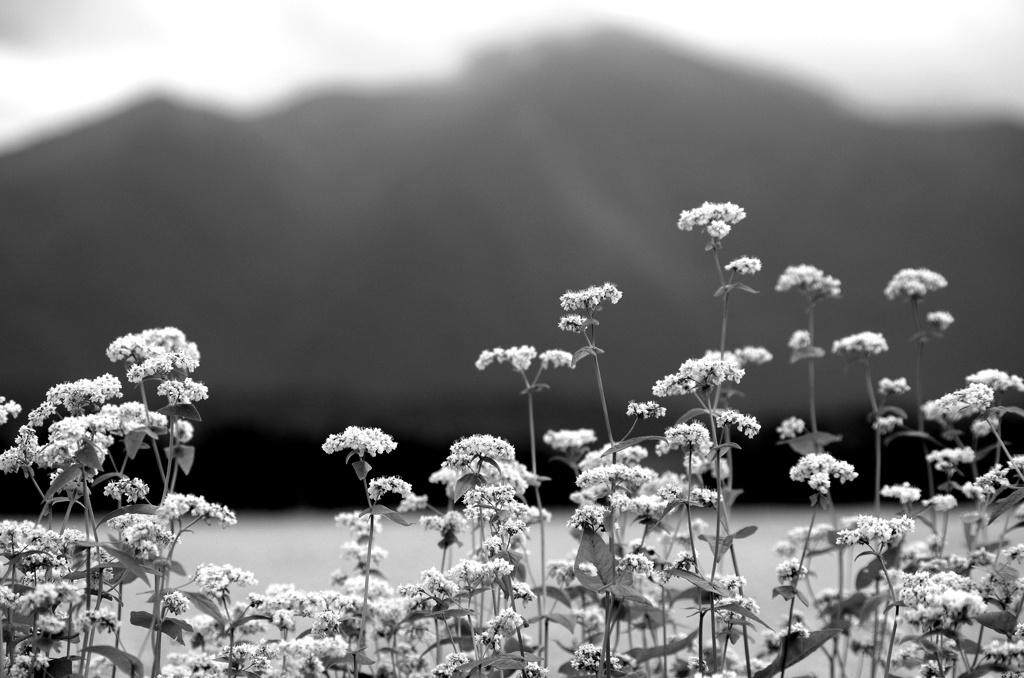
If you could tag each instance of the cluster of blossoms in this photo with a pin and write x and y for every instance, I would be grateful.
(698, 373)
(704, 497)
(941, 502)
(790, 571)
(378, 487)
(503, 625)
(810, 281)
(136, 348)
(216, 580)
(905, 493)
(940, 321)
(963, 402)
(887, 423)
(647, 410)
(744, 265)
(888, 387)
(791, 427)
(949, 458)
(693, 437)
(182, 391)
(520, 357)
(914, 283)
(745, 423)
(470, 449)
(880, 530)
(75, 396)
(747, 355)
(8, 410)
(800, 339)
(715, 218)
(176, 506)
(591, 298)
(130, 490)
(997, 380)
(371, 441)
(818, 469)
(588, 517)
(939, 599)
(617, 475)
(570, 439)
(862, 344)
(161, 366)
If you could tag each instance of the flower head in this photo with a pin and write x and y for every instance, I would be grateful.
(744, 265)
(519, 356)
(554, 357)
(371, 441)
(818, 469)
(862, 344)
(591, 298)
(997, 380)
(715, 218)
(939, 320)
(800, 339)
(570, 439)
(887, 387)
(791, 428)
(809, 281)
(705, 372)
(647, 410)
(914, 283)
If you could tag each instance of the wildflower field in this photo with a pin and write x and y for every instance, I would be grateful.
(652, 574)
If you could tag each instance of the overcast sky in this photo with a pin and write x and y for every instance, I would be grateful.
(61, 60)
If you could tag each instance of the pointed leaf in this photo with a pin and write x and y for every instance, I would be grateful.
(744, 532)
(594, 550)
(580, 354)
(740, 610)
(61, 481)
(912, 434)
(618, 447)
(206, 605)
(362, 468)
(999, 620)
(128, 561)
(185, 454)
(643, 654)
(810, 443)
(133, 441)
(797, 648)
(695, 412)
(89, 455)
(467, 483)
(555, 593)
(128, 663)
(1005, 504)
(148, 509)
(181, 410)
(628, 593)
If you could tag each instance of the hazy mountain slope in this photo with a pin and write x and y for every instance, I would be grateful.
(346, 259)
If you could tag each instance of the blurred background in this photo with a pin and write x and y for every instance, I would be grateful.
(344, 203)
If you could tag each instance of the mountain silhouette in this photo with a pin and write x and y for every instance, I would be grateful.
(344, 260)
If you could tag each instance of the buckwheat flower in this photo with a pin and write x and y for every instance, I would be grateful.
(904, 493)
(886, 424)
(503, 625)
(103, 619)
(939, 320)
(184, 391)
(371, 441)
(572, 323)
(744, 265)
(161, 366)
(938, 600)
(469, 450)
(414, 502)
(982, 427)
(941, 502)
(974, 397)
(381, 486)
(949, 458)
(23, 454)
(647, 410)
(997, 380)
(704, 497)
(587, 657)
(790, 571)
(175, 506)
(718, 229)
(818, 469)
(570, 439)
(914, 283)
(703, 373)
(799, 339)
(534, 670)
(216, 580)
(752, 355)
(791, 427)
(635, 563)
(862, 343)
(810, 281)
(887, 387)
(554, 357)
(744, 423)
(131, 489)
(521, 357)
(74, 396)
(175, 603)
(590, 517)
(8, 410)
(711, 215)
(871, 528)
(615, 474)
(590, 298)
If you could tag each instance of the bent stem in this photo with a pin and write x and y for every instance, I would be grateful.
(796, 581)
(366, 575)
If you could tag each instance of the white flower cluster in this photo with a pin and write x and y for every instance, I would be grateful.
(887, 423)
(704, 497)
(697, 373)
(818, 469)
(161, 366)
(941, 502)
(949, 458)
(914, 283)
(887, 387)
(590, 298)
(573, 322)
(378, 487)
(570, 439)
(468, 450)
(905, 493)
(74, 396)
(810, 281)
(589, 517)
(451, 662)
(744, 265)
(8, 410)
(939, 320)
(715, 218)
(790, 571)
(647, 410)
(882, 530)
(216, 580)
(130, 489)
(693, 437)
(863, 343)
(799, 339)
(502, 625)
(745, 423)
(635, 563)
(997, 380)
(938, 599)
(586, 658)
(183, 391)
(521, 357)
(964, 401)
(554, 357)
(371, 441)
(175, 602)
(791, 427)
(617, 474)
(176, 505)
(135, 348)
